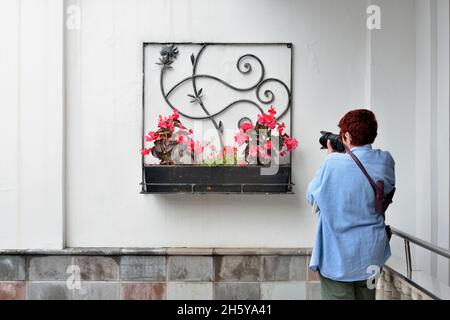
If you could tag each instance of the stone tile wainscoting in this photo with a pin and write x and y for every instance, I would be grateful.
(221, 274)
(393, 286)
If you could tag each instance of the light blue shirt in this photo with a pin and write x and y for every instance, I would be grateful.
(351, 235)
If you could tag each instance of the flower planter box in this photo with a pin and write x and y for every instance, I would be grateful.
(220, 179)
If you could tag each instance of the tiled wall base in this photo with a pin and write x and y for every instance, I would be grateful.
(393, 287)
(152, 277)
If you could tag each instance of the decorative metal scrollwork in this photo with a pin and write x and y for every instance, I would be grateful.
(169, 54)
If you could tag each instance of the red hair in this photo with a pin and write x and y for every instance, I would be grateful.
(362, 126)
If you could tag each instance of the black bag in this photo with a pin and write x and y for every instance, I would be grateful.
(382, 201)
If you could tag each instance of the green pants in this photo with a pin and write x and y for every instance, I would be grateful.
(336, 290)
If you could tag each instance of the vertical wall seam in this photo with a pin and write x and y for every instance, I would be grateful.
(64, 125)
(368, 86)
(19, 77)
(448, 141)
(434, 133)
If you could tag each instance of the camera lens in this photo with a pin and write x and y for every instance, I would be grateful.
(335, 141)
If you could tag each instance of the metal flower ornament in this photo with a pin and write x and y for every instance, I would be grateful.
(168, 55)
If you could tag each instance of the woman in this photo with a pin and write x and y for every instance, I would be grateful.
(351, 241)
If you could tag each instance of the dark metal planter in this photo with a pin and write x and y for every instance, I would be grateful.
(220, 179)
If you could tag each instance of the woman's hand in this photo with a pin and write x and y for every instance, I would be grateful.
(329, 147)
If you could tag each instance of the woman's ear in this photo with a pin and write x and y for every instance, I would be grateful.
(347, 138)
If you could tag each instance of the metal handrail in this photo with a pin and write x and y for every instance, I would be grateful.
(421, 243)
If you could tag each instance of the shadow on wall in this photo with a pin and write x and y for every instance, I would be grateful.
(234, 203)
(286, 204)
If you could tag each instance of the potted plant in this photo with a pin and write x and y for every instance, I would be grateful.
(172, 141)
(266, 141)
(182, 167)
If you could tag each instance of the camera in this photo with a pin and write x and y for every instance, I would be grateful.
(335, 141)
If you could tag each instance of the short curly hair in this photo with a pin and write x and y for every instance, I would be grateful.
(362, 126)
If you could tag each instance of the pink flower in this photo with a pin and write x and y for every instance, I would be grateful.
(229, 150)
(189, 143)
(193, 146)
(272, 111)
(165, 123)
(253, 151)
(246, 126)
(281, 128)
(175, 115)
(191, 131)
(198, 148)
(151, 136)
(291, 143)
(162, 122)
(267, 120)
(241, 138)
(180, 139)
(145, 152)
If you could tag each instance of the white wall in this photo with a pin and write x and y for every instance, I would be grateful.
(393, 98)
(432, 122)
(441, 266)
(410, 95)
(104, 117)
(31, 124)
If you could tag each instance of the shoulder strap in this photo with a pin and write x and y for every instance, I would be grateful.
(360, 165)
(380, 201)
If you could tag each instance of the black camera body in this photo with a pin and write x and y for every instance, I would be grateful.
(335, 141)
